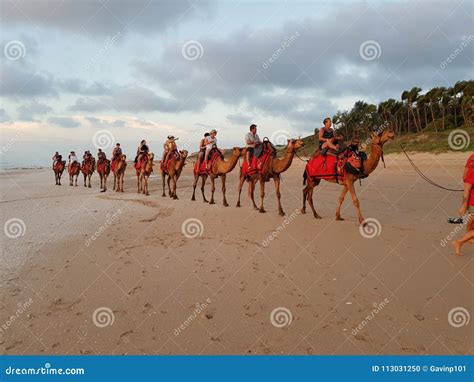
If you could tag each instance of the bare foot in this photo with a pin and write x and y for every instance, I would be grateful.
(457, 247)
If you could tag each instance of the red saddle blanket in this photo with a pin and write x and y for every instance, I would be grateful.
(58, 165)
(101, 165)
(258, 164)
(86, 166)
(202, 169)
(138, 164)
(113, 164)
(326, 167)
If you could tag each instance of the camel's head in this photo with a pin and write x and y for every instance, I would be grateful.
(123, 157)
(183, 154)
(384, 136)
(295, 144)
(237, 151)
(151, 156)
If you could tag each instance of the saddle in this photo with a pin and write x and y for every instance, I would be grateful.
(214, 154)
(143, 160)
(258, 164)
(165, 166)
(101, 164)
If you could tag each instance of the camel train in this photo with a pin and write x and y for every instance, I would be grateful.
(337, 166)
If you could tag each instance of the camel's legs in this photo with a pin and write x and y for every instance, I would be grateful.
(276, 179)
(204, 178)
(341, 200)
(223, 177)
(163, 176)
(145, 185)
(90, 176)
(175, 181)
(252, 183)
(213, 188)
(305, 196)
(262, 195)
(355, 200)
(310, 202)
(115, 183)
(138, 183)
(241, 183)
(196, 178)
(122, 177)
(85, 179)
(170, 191)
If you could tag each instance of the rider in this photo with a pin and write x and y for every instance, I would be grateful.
(202, 149)
(211, 143)
(141, 150)
(169, 148)
(56, 158)
(72, 159)
(327, 137)
(117, 152)
(101, 156)
(467, 206)
(251, 140)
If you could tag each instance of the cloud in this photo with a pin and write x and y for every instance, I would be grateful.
(64, 122)
(239, 119)
(27, 112)
(4, 117)
(104, 17)
(18, 82)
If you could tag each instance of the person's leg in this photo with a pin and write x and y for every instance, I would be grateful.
(463, 240)
(250, 151)
(199, 160)
(206, 155)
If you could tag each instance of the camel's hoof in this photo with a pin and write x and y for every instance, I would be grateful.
(281, 213)
(175, 197)
(226, 204)
(338, 218)
(147, 194)
(261, 210)
(103, 190)
(317, 216)
(237, 205)
(212, 202)
(89, 186)
(164, 195)
(193, 199)
(303, 211)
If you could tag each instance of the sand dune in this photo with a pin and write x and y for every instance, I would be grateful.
(119, 273)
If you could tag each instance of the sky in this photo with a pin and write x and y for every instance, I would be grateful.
(78, 75)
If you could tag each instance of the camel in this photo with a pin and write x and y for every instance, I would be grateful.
(144, 170)
(119, 172)
(87, 170)
(173, 173)
(219, 168)
(103, 169)
(369, 165)
(272, 168)
(58, 169)
(74, 170)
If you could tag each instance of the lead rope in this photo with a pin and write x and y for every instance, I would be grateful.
(424, 176)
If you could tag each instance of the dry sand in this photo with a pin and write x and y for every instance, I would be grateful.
(151, 276)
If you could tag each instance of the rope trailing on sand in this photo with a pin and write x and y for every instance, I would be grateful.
(424, 176)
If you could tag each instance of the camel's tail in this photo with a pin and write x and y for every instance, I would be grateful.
(305, 176)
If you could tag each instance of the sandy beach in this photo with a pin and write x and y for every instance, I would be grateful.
(84, 272)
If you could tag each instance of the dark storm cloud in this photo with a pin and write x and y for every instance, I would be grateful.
(323, 55)
(103, 17)
(64, 122)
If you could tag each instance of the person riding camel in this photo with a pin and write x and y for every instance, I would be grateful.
(251, 141)
(211, 144)
(141, 150)
(169, 148)
(202, 149)
(56, 158)
(467, 207)
(72, 159)
(101, 156)
(328, 138)
(117, 152)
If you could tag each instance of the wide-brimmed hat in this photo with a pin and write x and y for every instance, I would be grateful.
(170, 137)
(213, 131)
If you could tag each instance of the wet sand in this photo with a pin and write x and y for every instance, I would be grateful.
(116, 273)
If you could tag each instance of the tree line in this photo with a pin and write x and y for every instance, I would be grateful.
(438, 109)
